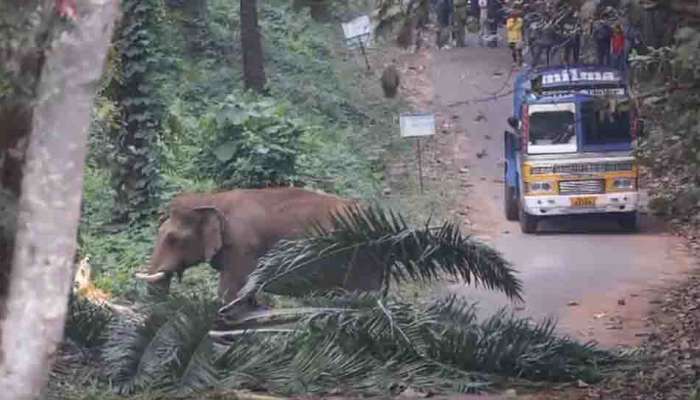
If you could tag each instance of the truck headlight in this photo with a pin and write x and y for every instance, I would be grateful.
(539, 187)
(624, 183)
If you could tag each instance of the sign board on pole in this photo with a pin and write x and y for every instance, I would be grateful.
(417, 124)
(358, 31)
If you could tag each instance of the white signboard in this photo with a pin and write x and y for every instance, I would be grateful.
(417, 124)
(574, 75)
(592, 92)
(359, 29)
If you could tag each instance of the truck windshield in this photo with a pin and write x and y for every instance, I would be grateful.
(552, 129)
(602, 126)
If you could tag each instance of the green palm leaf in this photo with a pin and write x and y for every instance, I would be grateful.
(164, 347)
(363, 343)
(406, 254)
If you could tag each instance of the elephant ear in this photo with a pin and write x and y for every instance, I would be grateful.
(213, 230)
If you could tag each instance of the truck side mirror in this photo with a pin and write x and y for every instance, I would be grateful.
(513, 122)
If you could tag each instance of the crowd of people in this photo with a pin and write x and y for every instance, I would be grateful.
(548, 32)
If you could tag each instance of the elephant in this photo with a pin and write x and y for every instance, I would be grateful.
(232, 230)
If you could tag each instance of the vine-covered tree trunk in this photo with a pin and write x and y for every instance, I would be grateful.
(54, 128)
(135, 169)
(251, 44)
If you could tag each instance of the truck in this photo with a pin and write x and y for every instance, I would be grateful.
(570, 151)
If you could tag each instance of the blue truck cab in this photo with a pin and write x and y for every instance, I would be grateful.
(570, 151)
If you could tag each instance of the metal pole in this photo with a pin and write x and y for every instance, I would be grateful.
(420, 166)
(362, 48)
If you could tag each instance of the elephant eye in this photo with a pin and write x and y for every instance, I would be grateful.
(171, 239)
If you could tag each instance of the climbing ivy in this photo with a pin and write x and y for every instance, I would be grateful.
(133, 89)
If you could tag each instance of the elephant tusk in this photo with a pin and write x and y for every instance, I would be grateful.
(151, 278)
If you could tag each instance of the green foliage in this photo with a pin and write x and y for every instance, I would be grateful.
(333, 132)
(671, 147)
(408, 254)
(251, 144)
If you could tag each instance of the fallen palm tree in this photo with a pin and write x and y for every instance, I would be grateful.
(351, 343)
(324, 341)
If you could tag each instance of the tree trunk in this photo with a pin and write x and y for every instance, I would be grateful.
(134, 164)
(49, 204)
(21, 51)
(251, 43)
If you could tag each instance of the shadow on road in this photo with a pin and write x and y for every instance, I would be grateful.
(594, 225)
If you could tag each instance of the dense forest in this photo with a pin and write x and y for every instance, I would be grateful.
(208, 95)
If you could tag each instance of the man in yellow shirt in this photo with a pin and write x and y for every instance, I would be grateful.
(514, 30)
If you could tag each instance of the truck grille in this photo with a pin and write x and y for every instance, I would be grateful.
(593, 167)
(592, 186)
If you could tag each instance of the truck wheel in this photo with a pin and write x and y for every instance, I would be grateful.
(510, 202)
(528, 223)
(629, 221)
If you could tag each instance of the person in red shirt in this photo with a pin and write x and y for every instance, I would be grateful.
(617, 48)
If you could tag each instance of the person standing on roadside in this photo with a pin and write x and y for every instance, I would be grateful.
(459, 15)
(572, 32)
(483, 19)
(617, 48)
(444, 9)
(602, 34)
(514, 33)
(633, 40)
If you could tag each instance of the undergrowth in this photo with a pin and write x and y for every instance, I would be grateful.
(355, 344)
(339, 130)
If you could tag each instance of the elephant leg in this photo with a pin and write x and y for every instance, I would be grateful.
(234, 276)
(231, 280)
(366, 273)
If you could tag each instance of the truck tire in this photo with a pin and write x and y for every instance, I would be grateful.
(528, 223)
(629, 221)
(510, 203)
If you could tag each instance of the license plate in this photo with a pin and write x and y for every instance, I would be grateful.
(583, 201)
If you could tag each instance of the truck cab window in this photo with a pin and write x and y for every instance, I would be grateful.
(602, 126)
(552, 127)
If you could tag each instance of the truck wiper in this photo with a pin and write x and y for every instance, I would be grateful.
(563, 137)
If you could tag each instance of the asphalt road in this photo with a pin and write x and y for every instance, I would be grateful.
(595, 279)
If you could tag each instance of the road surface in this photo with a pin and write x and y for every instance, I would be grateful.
(596, 280)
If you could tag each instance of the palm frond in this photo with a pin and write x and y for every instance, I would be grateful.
(507, 345)
(384, 240)
(87, 322)
(363, 343)
(165, 347)
(128, 338)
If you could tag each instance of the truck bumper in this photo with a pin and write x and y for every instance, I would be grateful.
(622, 202)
